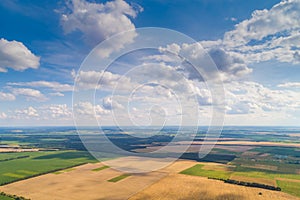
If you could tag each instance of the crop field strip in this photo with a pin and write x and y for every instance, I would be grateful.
(34, 164)
(119, 178)
(289, 183)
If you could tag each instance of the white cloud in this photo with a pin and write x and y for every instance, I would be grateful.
(281, 19)
(7, 96)
(228, 65)
(55, 86)
(3, 115)
(110, 103)
(101, 80)
(289, 85)
(97, 21)
(251, 97)
(268, 35)
(233, 64)
(88, 109)
(29, 94)
(17, 56)
(30, 112)
(58, 111)
(57, 94)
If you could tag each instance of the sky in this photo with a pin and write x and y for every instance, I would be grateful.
(249, 52)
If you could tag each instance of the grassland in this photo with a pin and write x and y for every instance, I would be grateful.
(198, 171)
(14, 166)
(289, 187)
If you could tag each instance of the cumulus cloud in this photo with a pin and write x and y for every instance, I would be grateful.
(213, 62)
(110, 103)
(26, 113)
(233, 64)
(98, 21)
(29, 94)
(101, 80)
(267, 35)
(17, 56)
(281, 19)
(7, 96)
(85, 108)
(250, 97)
(58, 111)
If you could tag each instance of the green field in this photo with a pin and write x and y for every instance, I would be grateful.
(118, 178)
(39, 163)
(198, 171)
(5, 198)
(100, 168)
(289, 187)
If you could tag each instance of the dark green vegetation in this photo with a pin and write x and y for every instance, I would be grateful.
(118, 178)
(251, 184)
(4, 196)
(211, 157)
(37, 163)
(100, 168)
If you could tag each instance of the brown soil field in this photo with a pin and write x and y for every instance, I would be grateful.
(254, 180)
(258, 166)
(252, 143)
(216, 166)
(250, 153)
(236, 146)
(289, 180)
(9, 150)
(181, 187)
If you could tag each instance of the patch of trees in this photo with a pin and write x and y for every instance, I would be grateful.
(249, 184)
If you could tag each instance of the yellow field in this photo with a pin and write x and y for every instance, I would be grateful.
(81, 183)
(180, 186)
(84, 182)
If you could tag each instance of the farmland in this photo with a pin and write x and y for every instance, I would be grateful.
(53, 155)
(18, 166)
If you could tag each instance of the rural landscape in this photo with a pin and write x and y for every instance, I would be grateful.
(246, 163)
(149, 100)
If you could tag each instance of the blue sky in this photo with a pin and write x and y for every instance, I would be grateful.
(254, 44)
